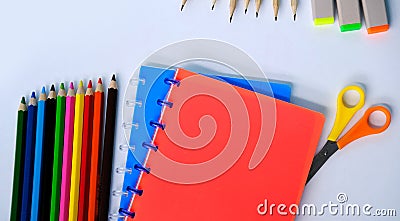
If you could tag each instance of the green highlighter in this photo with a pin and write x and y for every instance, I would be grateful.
(349, 15)
(323, 12)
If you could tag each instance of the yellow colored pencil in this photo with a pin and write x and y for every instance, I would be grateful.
(76, 153)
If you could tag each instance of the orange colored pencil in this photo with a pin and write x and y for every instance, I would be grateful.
(96, 150)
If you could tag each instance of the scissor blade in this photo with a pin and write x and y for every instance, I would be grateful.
(319, 160)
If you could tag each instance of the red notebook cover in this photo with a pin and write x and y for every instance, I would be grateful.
(224, 152)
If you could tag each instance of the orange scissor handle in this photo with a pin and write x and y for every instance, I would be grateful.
(364, 128)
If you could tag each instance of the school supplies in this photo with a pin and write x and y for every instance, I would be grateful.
(345, 111)
(213, 4)
(232, 7)
(293, 5)
(58, 150)
(275, 5)
(29, 159)
(108, 152)
(323, 12)
(67, 154)
(258, 5)
(375, 16)
(86, 154)
(18, 162)
(206, 193)
(37, 170)
(349, 15)
(183, 4)
(95, 158)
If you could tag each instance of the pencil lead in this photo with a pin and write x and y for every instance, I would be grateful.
(230, 19)
(182, 7)
(62, 86)
(276, 18)
(80, 83)
(43, 90)
(90, 84)
(100, 81)
(71, 85)
(33, 95)
(256, 14)
(294, 17)
(23, 100)
(52, 88)
(245, 11)
(113, 77)
(212, 7)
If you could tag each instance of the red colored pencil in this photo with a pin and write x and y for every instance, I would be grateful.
(84, 185)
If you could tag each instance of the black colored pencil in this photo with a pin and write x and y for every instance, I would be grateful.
(108, 151)
(48, 156)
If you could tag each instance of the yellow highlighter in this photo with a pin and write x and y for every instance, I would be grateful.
(76, 153)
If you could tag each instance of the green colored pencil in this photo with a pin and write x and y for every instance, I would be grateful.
(58, 154)
(19, 162)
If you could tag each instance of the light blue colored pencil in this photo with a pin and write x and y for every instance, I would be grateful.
(37, 168)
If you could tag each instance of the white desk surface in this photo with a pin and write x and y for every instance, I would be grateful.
(46, 41)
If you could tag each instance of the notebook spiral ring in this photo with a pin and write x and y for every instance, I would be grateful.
(123, 212)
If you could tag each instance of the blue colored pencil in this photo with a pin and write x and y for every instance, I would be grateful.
(41, 118)
(29, 155)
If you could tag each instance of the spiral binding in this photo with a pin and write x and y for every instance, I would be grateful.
(122, 212)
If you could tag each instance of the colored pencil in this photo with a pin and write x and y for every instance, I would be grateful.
(108, 151)
(19, 162)
(58, 149)
(98, 110)
(67, 153)
(29, 157)
(37, 170)
(48, 155)
(76, 153)
(86, 153)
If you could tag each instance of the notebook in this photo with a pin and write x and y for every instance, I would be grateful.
(151, 88)
(273, 165)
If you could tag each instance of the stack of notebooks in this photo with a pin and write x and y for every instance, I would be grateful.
(208, 147)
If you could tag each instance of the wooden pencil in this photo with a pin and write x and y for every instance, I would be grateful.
(246, 5)
(183, 4)
(258, 5)
(29, 159)
(98, 110)
(213, 4)
(76, 153)
(108, 150)
(67, 154)
(293, 5)
(48, 154)
(19, 161)
(275, 5)
(58, 150)
(232, 7)
(38, 169)
(86, 153)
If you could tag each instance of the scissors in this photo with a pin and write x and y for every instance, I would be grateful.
(344, 114)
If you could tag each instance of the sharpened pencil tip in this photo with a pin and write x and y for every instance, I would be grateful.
(100, 81)
(212, 7)
(90, 84)
(182, 7)
(113, 77)
(80, 84)
(52, 88)
(43, 90)
(23, 100)
(276, 18)
(245, 11)
(62, 86)
(256, 14)
(33, 95)
(294, 17)
(71, 85)
(230, 19)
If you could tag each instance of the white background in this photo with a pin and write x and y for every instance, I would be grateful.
(42, 42)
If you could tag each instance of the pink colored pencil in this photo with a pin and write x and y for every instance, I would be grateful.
(67, 154)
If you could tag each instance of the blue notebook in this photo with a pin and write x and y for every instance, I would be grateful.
(151, 94)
